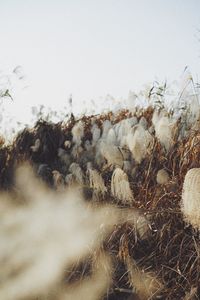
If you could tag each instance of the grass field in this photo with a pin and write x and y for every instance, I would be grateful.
(100, 207)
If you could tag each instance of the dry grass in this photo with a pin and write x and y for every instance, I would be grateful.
(149, 242)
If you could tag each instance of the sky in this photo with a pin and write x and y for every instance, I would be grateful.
(93, 48)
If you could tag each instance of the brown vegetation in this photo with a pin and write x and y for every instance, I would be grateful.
(150, 252)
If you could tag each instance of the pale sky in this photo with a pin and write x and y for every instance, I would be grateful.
(91, 48)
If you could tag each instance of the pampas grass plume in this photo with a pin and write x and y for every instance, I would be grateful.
(124, 127)
(143, 123)
(78, 132)
(120, 187)
(96, 182)
(112, 154)
(106, 126)
(162, 177)
(191, 197)
(96, 133)
(139, 142)
(77, 151)
(164, 129)
(77, 172)
(111, 137)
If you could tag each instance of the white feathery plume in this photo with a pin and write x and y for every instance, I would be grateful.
(151, 129)
(112, 154)
(96, 133)
(106, 126)
(191, 197)
(162, 177)
(132, 121)
(96, 182)
(76, 170)
(164, 129)
(78, 132)
(76, 151)
(164, 132)
(143, 122)
(36, 146)
(125, 127)
(111, 137)
(120, 187)
(123, 142)
(139, 142)
(116, 128)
